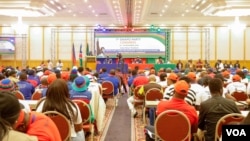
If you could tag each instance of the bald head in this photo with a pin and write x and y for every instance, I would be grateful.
(152, 78)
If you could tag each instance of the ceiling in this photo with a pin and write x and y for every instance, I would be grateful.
(130, 13)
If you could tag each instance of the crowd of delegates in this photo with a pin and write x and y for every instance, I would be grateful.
(193, 89)
(208, 91)
(58, 88)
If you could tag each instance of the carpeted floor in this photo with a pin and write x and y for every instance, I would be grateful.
(110, 108)
(120, 126)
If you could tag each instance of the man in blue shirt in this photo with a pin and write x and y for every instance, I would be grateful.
(25, 87)
(80, 89)
(115, 81)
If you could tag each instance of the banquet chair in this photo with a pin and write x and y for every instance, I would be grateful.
(233, 118)
(62, 123)
(153, 94)
(40, 101)
(19, 95)
(240, 96)
(138, 99)
(172, 125)
(108, 90)
(86, 117)
(36, 95)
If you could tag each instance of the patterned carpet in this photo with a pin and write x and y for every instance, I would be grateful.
(137, 126)
(108, 116)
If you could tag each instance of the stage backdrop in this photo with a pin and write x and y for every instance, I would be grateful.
(130, 44)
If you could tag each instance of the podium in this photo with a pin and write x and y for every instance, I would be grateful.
(90, 62)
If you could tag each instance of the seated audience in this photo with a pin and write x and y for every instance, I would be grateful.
(236, 85)
(107, 60)
(159, 60)
(214, 108)
(116, 83)
(137, 60)
(176, 103)
(80, 89)
(25, 87)
(9, 113)
(57, 99)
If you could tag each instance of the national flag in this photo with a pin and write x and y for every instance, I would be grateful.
(80, 55)
(73, 56)
(87, 49)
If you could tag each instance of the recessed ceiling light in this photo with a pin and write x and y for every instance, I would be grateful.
(166, 6)
(90, 6)
(187, 10)
(160, 14)
(85, 0)
(74, 15)
(169, 0)
(69, 11)
(96, 15)
(182, 15)
(163, 11)
(93, 11)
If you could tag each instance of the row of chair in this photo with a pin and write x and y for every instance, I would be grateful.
(63, 123)
(179, 129)
(35, 96)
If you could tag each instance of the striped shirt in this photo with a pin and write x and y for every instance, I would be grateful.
(190, 98)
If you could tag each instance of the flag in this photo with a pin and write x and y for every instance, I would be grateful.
(73, 56)
(87, 50)
(80, 55)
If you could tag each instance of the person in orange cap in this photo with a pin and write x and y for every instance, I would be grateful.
(236, 85)
(177, 103)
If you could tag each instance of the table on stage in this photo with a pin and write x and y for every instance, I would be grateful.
(123, 67)
(97, 104)
(158, 66)
(141, 66)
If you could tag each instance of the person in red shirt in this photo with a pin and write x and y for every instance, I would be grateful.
(39, 125)
(141, 79)
(178, 103)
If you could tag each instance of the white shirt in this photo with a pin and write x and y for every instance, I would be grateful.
(236, 86)
(248, 88)
(201, 95)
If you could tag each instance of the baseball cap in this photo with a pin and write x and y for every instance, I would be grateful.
(181, 87)
(52, 77)
(236, 78)
(172, 76)
(225, 73)
(191, 75)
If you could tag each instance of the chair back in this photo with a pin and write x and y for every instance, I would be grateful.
(62, 123)
(172, 125)
(153, 94)
(36, 95)
(233, 118)
(84, 110)
(136, 94)
(108, 88)
(240, 96)
(19, 95)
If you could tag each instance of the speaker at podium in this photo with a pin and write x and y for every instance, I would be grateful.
(90, 62)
